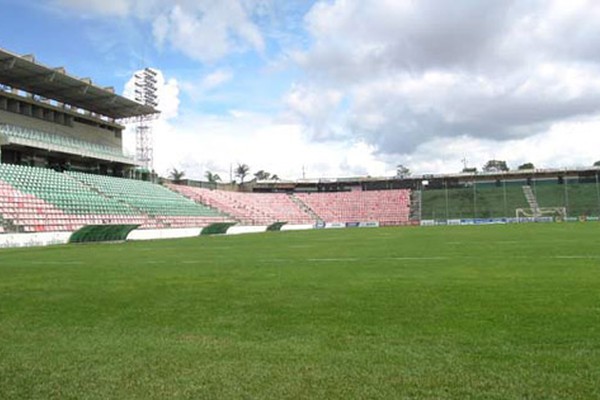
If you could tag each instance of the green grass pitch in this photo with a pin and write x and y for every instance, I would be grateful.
(495, 312)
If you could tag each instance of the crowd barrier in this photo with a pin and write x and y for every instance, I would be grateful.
(154, 234)
(131, 232)
(8, 240)
(238, 230)
(297, 227)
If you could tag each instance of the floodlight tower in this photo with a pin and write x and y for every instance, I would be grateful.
(145, 93)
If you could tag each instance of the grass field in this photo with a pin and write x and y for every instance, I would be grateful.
(497, 312)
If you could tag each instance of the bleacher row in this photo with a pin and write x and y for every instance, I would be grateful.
(249, 208)
(388, 207)
(19, 134)
(42, 200)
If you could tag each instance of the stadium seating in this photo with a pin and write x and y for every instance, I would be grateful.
(167, 207)
(388, 207)
(250, 208)
(39, 200)
(42, 139)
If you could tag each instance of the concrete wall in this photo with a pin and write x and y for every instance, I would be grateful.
(296, 227)
(152, 234)
(8, 240)
(33, 239)
(238, 230)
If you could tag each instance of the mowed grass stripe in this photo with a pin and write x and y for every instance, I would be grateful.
(450, 312)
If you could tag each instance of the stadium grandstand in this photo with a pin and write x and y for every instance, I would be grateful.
(51, 119)
(62, 161)
(62, 167)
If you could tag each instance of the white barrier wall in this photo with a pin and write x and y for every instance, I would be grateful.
(152, 234)
(296, 227)
(238, 230)
(33, 239)
(52, 238)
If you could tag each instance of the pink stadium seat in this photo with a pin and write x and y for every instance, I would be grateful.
(250, 208)
(388, 207)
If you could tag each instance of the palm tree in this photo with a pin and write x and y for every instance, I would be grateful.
(242, 171)
(275, 178)
(212, 178)
(176, 175)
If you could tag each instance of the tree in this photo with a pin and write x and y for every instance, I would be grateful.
(176, 176)
(241, 171)
(495, 166)
(262, 175)
(597, 164)
(469, 170)
(402, 171)
(275, 178)
(526, 166)
(212, 178)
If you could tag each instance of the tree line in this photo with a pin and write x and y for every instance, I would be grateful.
(241, 171)
(490, 166)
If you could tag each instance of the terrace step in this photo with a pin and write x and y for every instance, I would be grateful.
(531, 200)
(305, 207)
(415, 205)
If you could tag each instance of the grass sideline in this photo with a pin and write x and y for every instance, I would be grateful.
(491, 312)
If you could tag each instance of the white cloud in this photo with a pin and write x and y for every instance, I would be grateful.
(207, 84)
(215, 143)
(168, 98)
(204, 30)
(421, 79)
(103, 7)
(216, 78)
(382, 82)
(424, 84)
(208, 31)
(564, 145)
(315, 108)
(198, 143)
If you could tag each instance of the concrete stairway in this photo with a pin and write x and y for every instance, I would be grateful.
(531, 200)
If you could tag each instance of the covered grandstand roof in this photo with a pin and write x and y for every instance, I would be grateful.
(22, 72)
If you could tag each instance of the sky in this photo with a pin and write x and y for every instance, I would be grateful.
(338, 88)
